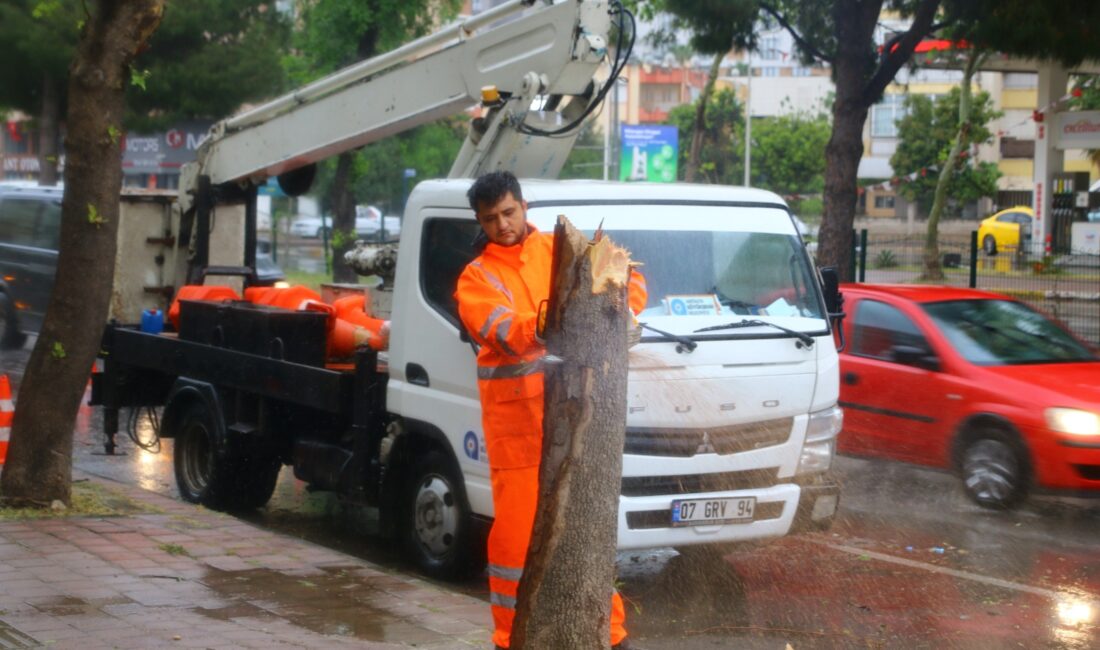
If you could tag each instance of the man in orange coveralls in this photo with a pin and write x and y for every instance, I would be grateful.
(498, 298)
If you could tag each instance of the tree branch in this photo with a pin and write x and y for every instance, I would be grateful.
(900, 49)
(802, 42)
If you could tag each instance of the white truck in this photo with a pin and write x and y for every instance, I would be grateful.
(732, 407)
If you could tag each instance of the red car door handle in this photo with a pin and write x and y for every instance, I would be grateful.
(851, 378)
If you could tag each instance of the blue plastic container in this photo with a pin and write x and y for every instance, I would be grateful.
(152, 321)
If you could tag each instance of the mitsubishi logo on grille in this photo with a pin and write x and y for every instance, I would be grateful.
(705, 447)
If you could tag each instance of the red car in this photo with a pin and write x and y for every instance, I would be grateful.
(971, 381)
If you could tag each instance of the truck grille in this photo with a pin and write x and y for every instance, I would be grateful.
(648, 519)
(643, 486)
(719, 440)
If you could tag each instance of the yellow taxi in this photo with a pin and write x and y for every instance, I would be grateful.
(1001, 232)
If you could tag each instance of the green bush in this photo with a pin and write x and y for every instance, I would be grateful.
(885, 259)
(810, 207)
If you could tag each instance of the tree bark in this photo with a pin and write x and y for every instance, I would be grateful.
(343, 201)
(564, 598)
(343, 218)
(39, 464)
(699, 128)
(48, 133)
(933, 270)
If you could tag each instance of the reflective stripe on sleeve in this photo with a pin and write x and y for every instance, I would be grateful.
(500, 600)
(511, 370)
(495, 281)
(502, 336)
(497, 312)
(505, 572)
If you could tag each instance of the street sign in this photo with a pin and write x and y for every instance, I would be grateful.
(649, 153)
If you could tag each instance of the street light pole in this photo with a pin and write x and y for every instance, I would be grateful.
(748, 126)
(410, 172)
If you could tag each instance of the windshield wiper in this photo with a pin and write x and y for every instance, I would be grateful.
(804, 338)
(683, 343)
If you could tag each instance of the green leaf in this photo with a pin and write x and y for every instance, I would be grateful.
(113, 133)
(58, 350)
(45, 9)
(94, 217)
(138, 77)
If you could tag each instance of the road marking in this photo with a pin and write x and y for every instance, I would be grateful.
(965, 575)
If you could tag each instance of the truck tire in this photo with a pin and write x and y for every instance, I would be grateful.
(211, 479)
(11, 338)
(435, 523)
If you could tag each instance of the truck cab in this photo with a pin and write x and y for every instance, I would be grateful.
(729, 441)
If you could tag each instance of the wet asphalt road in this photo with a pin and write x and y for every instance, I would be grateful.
(910, 562)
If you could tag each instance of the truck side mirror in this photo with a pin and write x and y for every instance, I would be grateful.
(834, 302)
(830, 285)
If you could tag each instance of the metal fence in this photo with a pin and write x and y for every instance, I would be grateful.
(1066, 287)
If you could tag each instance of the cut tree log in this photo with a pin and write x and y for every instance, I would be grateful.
(564, 598)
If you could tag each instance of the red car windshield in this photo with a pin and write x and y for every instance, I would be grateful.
(1004, 332)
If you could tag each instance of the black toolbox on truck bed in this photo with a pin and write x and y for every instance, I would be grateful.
(294, 336)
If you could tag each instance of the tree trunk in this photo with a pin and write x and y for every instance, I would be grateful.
(39, 465)
(48, 132)
(699, 127)
(859, 84)
(842, 156)
(564, 598)
(343, 219)
(933, 270)
(343, 201)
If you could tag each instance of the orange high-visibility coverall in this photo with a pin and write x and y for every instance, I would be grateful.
(498, 299)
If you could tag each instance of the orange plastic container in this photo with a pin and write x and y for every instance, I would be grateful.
(208, 293)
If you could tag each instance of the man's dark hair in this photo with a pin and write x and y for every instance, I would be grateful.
(490, 188)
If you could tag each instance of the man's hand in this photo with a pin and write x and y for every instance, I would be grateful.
(540, 323)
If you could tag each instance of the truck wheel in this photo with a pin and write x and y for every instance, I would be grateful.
(435, 520)
(989, 245)
(10, 336)
(994, 471)
(206, 477)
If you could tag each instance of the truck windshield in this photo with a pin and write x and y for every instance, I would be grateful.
(703, 265)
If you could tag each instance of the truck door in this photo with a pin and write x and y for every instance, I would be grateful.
(433, 373)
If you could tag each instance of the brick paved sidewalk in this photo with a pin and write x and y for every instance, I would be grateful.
(193, 578)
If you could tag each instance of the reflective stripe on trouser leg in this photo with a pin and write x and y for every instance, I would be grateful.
(515, 495)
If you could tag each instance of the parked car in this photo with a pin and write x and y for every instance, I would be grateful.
(310, 227)
(368, 224)
(30, 227)
(971, 381)
(1001, 231)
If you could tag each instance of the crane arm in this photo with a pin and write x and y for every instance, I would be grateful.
(551, 49)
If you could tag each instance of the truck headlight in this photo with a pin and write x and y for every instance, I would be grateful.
(820, 444)
(1073, 421)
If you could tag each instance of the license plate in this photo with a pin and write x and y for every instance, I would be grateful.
(702, 512)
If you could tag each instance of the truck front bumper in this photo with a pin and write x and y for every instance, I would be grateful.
(645, 521)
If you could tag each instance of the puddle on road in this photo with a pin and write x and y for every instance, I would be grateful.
(338, 602)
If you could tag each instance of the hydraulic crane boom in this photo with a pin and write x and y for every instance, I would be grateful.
(553, 49)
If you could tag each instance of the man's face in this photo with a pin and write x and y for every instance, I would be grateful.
(504, 222)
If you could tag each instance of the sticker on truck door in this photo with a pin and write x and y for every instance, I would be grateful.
(475, 450)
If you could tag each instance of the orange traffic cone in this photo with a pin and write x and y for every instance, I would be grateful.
(7, 410)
